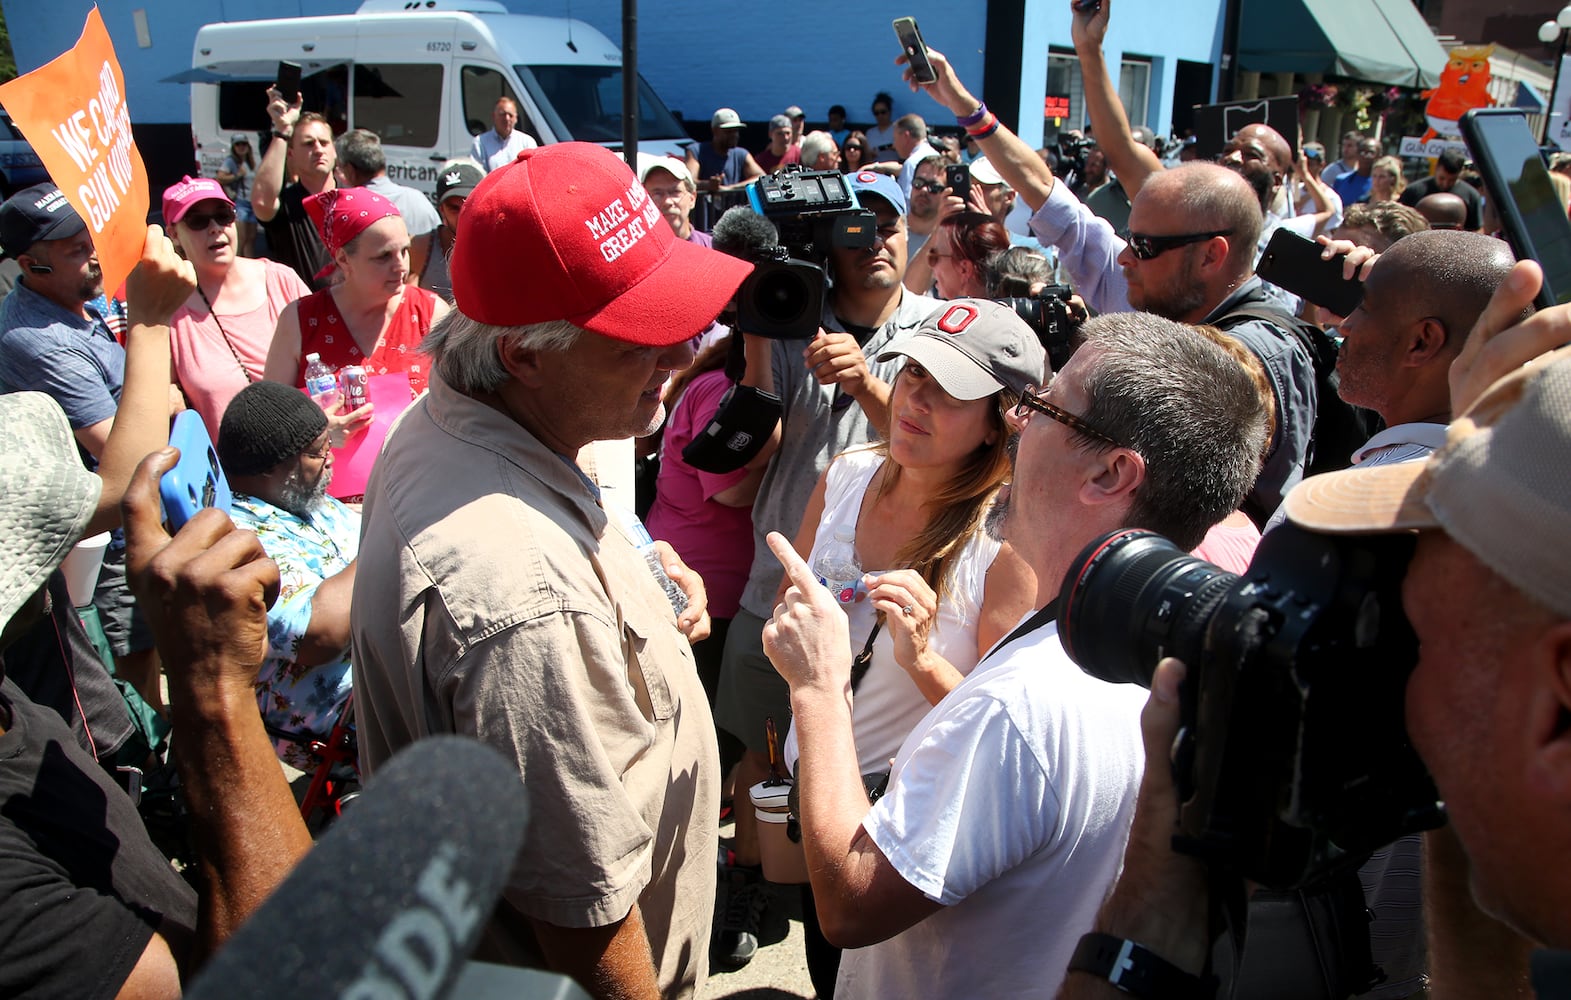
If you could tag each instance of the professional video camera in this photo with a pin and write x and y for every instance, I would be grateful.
(814, 210)
(1048, 313)
(1293, 762)
(1072, 152)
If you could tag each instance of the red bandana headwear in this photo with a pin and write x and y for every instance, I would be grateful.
(344, 213)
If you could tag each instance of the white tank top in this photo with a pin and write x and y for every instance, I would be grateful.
(887, 704)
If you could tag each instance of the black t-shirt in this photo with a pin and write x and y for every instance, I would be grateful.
(1462, 189)
(292, 237)
(84, 887)
(54, 652)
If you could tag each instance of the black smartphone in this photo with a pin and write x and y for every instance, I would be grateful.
(915, 49)
(288, 80)
(957, 177)
(1536, 226)
(1294, 263)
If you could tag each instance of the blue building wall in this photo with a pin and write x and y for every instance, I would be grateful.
(698, 54)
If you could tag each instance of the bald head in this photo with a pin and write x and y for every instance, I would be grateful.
(1272, 142)
(1443, 210)
(1446, 273)
(1208, 198)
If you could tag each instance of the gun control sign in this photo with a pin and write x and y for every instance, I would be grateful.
(74, 110)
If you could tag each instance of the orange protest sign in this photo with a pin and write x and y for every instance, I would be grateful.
(75, 111)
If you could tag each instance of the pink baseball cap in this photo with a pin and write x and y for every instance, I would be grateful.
(178, 198)
(566, 232)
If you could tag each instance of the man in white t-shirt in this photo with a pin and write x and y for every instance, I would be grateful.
(1008, 806)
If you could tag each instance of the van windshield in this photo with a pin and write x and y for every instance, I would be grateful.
(585, 103)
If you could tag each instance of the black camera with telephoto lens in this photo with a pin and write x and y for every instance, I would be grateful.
(1048, 313)
(1293, 761)
(814, 211)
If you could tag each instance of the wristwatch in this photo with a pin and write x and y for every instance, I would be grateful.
(282, 135)
(1135, 970)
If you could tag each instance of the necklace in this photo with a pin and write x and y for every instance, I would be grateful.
(225, 334)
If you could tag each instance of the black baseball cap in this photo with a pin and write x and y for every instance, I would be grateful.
(458, 177)
(35, 214)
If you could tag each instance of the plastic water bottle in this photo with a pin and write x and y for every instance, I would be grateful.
(646, 545)
(836, 567)
(321, 383)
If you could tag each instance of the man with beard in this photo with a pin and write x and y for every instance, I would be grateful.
(273, 444)
(1015, 791)
(54, 338)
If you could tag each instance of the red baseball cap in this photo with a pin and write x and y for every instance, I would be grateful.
(566, 232)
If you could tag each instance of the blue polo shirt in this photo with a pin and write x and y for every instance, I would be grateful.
(45, 348)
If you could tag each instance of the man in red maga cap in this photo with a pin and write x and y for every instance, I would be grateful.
(501, 596)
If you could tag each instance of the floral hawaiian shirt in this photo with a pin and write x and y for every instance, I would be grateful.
(295, 699)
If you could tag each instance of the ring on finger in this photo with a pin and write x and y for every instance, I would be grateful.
(907, 610)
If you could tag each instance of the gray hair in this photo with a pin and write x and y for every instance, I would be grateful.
(814, 145)
(362, 149)
(912, 125)
(1190, 410)
(466, 352)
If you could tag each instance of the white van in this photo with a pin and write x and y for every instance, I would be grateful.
(424, 75)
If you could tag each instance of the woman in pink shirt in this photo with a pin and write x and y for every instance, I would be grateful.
(220, 337)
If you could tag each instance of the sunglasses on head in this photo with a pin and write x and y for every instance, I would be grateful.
(1150, 247)
(198, 221)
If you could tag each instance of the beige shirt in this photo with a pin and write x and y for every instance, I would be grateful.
(495, 598)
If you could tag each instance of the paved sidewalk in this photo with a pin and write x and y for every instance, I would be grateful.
(779, 970)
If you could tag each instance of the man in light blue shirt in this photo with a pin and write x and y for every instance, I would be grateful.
(505, 141)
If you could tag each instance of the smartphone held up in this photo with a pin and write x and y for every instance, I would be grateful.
(915, 50)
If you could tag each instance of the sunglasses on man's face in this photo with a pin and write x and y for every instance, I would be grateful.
(931, 187)
(198, 221)
(1150, 247)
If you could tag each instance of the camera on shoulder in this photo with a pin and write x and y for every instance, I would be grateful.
(814, 211)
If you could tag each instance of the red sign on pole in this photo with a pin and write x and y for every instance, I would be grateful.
(1055, 106)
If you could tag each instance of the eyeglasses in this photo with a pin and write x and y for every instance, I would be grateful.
(198, 221)
(934, 256)
(1150, 247)
(931, 187)
(1031, 399)
(321, 451)
(880, 111)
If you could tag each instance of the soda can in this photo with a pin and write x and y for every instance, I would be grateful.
(356, 394)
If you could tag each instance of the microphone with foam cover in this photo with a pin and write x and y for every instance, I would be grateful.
(742, 232)
(393, 898)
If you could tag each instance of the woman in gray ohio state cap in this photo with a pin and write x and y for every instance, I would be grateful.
(939, 589)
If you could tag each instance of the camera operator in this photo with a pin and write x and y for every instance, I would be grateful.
(1190, 259)
(1015, 792)
(1485, 704)
(834, 397)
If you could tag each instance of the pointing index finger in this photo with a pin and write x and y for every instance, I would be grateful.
(797, 571)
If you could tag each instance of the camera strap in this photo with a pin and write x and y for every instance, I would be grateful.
(1040, 617)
